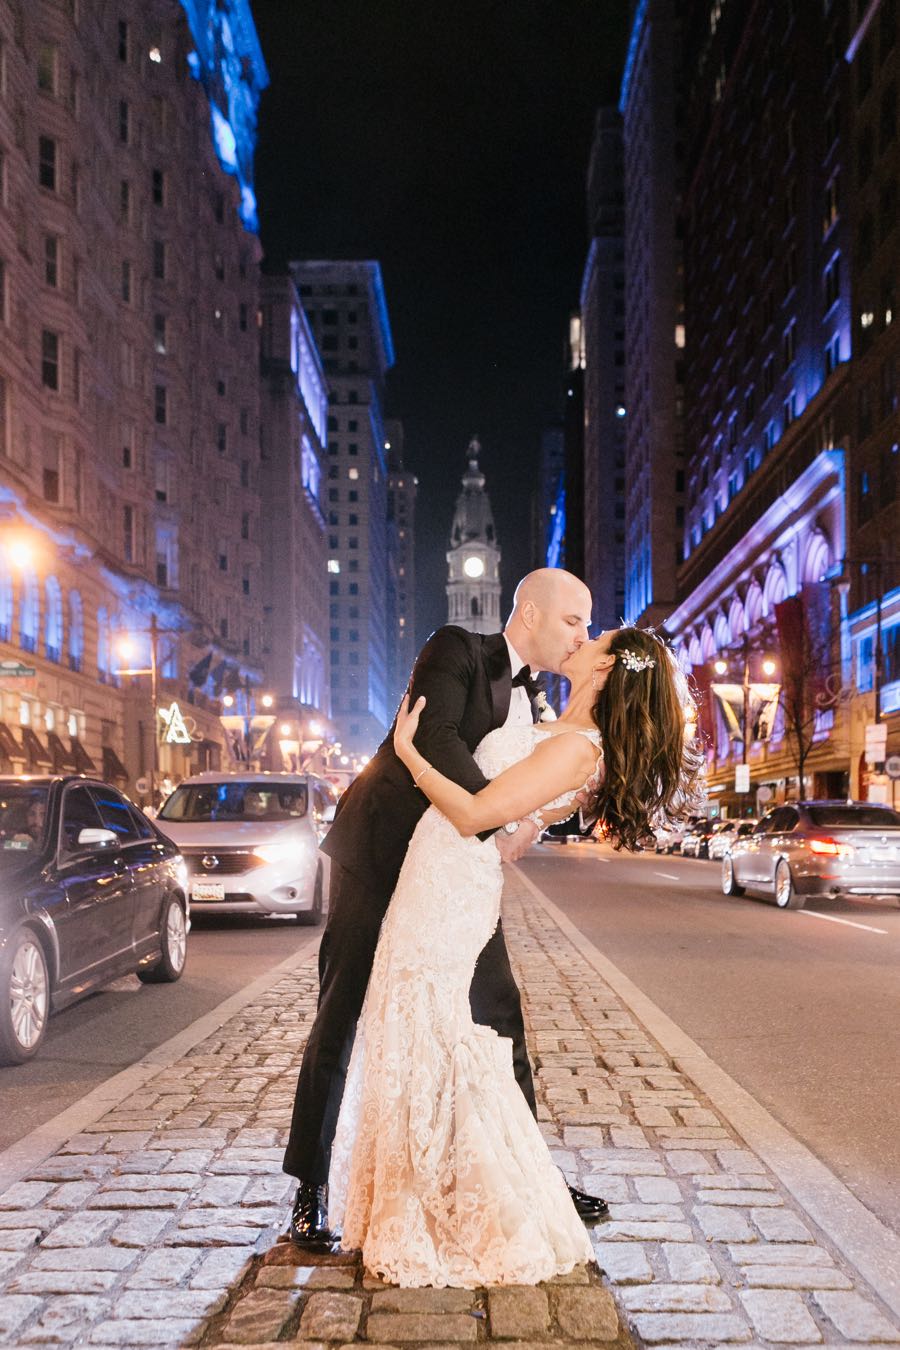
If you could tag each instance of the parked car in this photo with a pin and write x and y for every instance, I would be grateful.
(694, 843)
(669, 837)
(91, 891)
(817, 848)
(720, 842)
(251, 842)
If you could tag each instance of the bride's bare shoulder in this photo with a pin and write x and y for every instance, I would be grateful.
(574, 746)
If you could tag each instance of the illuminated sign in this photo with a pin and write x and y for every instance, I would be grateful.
(176, 732)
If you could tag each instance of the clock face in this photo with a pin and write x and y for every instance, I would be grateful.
(473, 567)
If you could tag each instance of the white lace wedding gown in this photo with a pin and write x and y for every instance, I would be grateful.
(439, 1171)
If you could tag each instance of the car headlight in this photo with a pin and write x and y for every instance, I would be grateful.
(276, 853)
(181, 871)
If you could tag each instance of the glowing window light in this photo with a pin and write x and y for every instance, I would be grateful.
(155, 55)
(867, 318)
(334, 565)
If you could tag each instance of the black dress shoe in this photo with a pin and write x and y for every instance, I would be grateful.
(589, 1207)
(309, 1218)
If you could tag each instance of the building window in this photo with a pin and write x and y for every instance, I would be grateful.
(832, 280)
(128, 533)
(124, 121)
(160, 336)
(76, 631)
(125, 200)
(158, 181)
(789, 408)
(46, 68)
(245, 525)
(830, 213)
(124, 40)
(159, 260)
(865, 498)
(51, 260)
(789, 345)
(221, 437)
(50, 359)
(833, 354)
(29, 612)
(47, 163)
(242, 317)
(161, 404)
(126, 281)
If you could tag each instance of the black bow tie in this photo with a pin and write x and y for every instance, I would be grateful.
(524, 681)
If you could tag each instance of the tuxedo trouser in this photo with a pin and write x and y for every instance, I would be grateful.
(346, 954)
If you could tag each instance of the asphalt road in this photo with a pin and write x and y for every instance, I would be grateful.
(802, 1011)
(92, 1040)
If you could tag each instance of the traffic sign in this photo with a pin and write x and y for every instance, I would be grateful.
(15, 669)
(892, 766)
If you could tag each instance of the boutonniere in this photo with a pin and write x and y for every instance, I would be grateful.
(544, 712)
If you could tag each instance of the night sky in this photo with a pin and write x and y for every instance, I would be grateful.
(450, 142)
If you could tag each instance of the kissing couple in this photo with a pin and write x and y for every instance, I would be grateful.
(414, 1134)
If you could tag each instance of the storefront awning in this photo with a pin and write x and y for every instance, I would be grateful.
(112, 765)
(39, 756)
(83, 761)
(9, 746)
(62, 758)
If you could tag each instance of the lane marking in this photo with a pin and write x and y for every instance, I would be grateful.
(867, 1243)
(832, 918)
(670, 876)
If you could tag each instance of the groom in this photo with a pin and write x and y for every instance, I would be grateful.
(473, 685)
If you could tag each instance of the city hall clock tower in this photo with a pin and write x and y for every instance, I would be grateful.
(473, 560)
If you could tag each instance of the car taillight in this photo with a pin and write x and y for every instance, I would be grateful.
(830, 848)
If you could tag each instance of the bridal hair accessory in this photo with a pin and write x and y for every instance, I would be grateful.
(631, 661)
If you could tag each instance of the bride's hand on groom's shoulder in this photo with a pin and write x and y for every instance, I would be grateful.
(407, 725)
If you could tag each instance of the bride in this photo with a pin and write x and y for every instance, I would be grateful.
(439, 1171)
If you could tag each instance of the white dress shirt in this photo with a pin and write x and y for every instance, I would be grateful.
(519, 714)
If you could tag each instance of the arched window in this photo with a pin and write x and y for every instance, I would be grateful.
(103, 652)
(76, 631)
(475, 607)
(753, 604)
(707, 644)
(6, 607)
(818, 558)
(29, 612)
(736, 619)
(721, 633)
(53, 620)
(775, 589)
(695, 651)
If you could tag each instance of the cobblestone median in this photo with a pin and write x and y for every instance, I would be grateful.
(158, 1226)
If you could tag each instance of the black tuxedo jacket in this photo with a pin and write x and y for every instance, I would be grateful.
(467, 683)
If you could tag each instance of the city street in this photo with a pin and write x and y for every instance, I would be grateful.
(107, 1032)
(800, 1009)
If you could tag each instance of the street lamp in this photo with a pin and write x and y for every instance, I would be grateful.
(769, 667)
(127, 648)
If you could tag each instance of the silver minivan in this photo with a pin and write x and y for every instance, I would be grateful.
(250, 842)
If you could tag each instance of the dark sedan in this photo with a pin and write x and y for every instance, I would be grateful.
(89, 890)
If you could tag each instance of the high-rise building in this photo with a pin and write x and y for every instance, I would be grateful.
(603, 324)
(549, 499)
(128, 380)
(402, 488)
(654, 324)
(473, 559)
(573, 442)
(346, 307)
(293, 418)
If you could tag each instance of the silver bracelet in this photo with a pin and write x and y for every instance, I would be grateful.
(421, 774)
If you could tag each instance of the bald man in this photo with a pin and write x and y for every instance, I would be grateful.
(473, 684)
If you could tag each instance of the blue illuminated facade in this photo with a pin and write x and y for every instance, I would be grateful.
(228, 62)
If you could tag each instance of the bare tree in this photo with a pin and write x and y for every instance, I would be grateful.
(806, 662)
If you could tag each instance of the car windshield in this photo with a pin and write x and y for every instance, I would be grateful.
(850, 817)
(219, 802)
(23, 821)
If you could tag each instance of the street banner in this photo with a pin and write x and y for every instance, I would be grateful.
(763, 705)
(876, 742)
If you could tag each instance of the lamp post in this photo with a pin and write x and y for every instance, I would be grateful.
(768, 666)
(126, 647)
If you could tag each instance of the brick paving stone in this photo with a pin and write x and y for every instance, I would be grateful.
(261, 1315)
(780, 1226)
(390, 1299)
(26, 1194)
(14, 1310)
(675, 1298)
(518, 1313)
(780, 1315)
(759, 1199)
(305, 1277)
(739, 1160)
(712, 1327)
(657, 1190)
(137, 1200)
(172, 1331)
(856, 1318)
(141, 1228)
(796, 1277)
(63, 1319)
(72, 1194)
(723, 1225)
(784, 1253)
(330, 1317)
(646, 1231)
(19, 1239)
(689, 1263)
(587, 1314)
(82, 1230)
(64, 1281)
(690, 1161)
(728, 1181)
(428, 1327)
(623, 1262)
(162, 1303)
(164, 1269)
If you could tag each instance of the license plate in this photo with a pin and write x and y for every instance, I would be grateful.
(207, 890)
(881, 854)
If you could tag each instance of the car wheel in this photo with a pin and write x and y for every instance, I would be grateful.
(786, 896)
(729, 881)
(24, 999)
(308, 918)
(173, 942)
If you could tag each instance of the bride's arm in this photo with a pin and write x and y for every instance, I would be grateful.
(560, 763)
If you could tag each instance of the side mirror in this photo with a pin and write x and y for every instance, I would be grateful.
(328, 815)
(89, 837)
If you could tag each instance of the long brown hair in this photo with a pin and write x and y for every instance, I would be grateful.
(652, 767)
